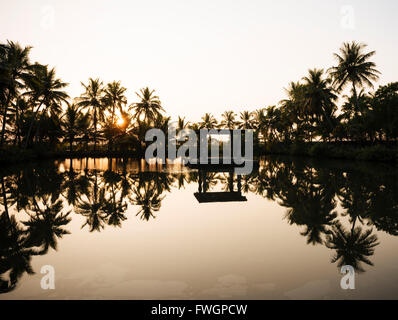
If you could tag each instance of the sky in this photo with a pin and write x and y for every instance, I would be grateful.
(199, 56)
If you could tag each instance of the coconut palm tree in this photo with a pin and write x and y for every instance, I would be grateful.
(260, 122)
(319, 97)
(182, 124)
(208, 122)
(14, 67)
(114, 98)
(44, 89)
(21, 105)
(149, 106)
(93, 99)
(73, 123)
(246, 120)
(228, 120)
(354, 67)
(294, 108)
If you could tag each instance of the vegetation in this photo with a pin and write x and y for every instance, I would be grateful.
(338, 205)
(39, 119)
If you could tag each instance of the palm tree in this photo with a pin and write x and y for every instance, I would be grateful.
(14, 67)
(354, 67)
(260, 122)
(294, 108)
(20, 107)
(73, 123)
(182, 124)
(208, 122)
(246, 120)
(228, 120)
(93, 98)
(44, 89)
(319, 97)
(114, 98)
(149, 106)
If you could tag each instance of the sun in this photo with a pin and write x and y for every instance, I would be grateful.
(120, 122)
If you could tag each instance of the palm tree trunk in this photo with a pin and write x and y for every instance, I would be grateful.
(70, 144)
(3, 129)
(31, 124)
(38, 125)
(17, 137)
(4, 198)
(354, 91)
(95, 129)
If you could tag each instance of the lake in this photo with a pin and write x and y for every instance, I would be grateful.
(120, 229)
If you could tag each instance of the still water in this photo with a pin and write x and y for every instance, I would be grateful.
(120, 229)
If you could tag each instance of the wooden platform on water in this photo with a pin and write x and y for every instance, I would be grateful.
(220, 167)
(208, 197)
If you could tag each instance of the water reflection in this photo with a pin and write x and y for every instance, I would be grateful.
(207, 179)
(337, 205)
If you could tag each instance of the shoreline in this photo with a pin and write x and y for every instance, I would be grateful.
(313, 150)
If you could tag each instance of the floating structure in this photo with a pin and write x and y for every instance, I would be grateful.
(204, 196)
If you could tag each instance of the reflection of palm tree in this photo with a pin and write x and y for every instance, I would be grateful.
(352, 247)
(210, 180)
(73, 186)
(148, 198)
(45, 226)
(181, 178)
(15, 257)
(114, 208)
(161, 181)
(312, 209)
(92, 208)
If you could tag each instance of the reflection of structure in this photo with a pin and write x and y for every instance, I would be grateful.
(203, 196)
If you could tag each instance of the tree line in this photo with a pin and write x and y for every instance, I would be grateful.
(36, 110)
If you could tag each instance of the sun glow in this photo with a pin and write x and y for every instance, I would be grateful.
(120, 122)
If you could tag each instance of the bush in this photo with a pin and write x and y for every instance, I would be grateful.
(376, 153)
(322, 150)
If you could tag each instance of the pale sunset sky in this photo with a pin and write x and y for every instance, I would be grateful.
(199, 56)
